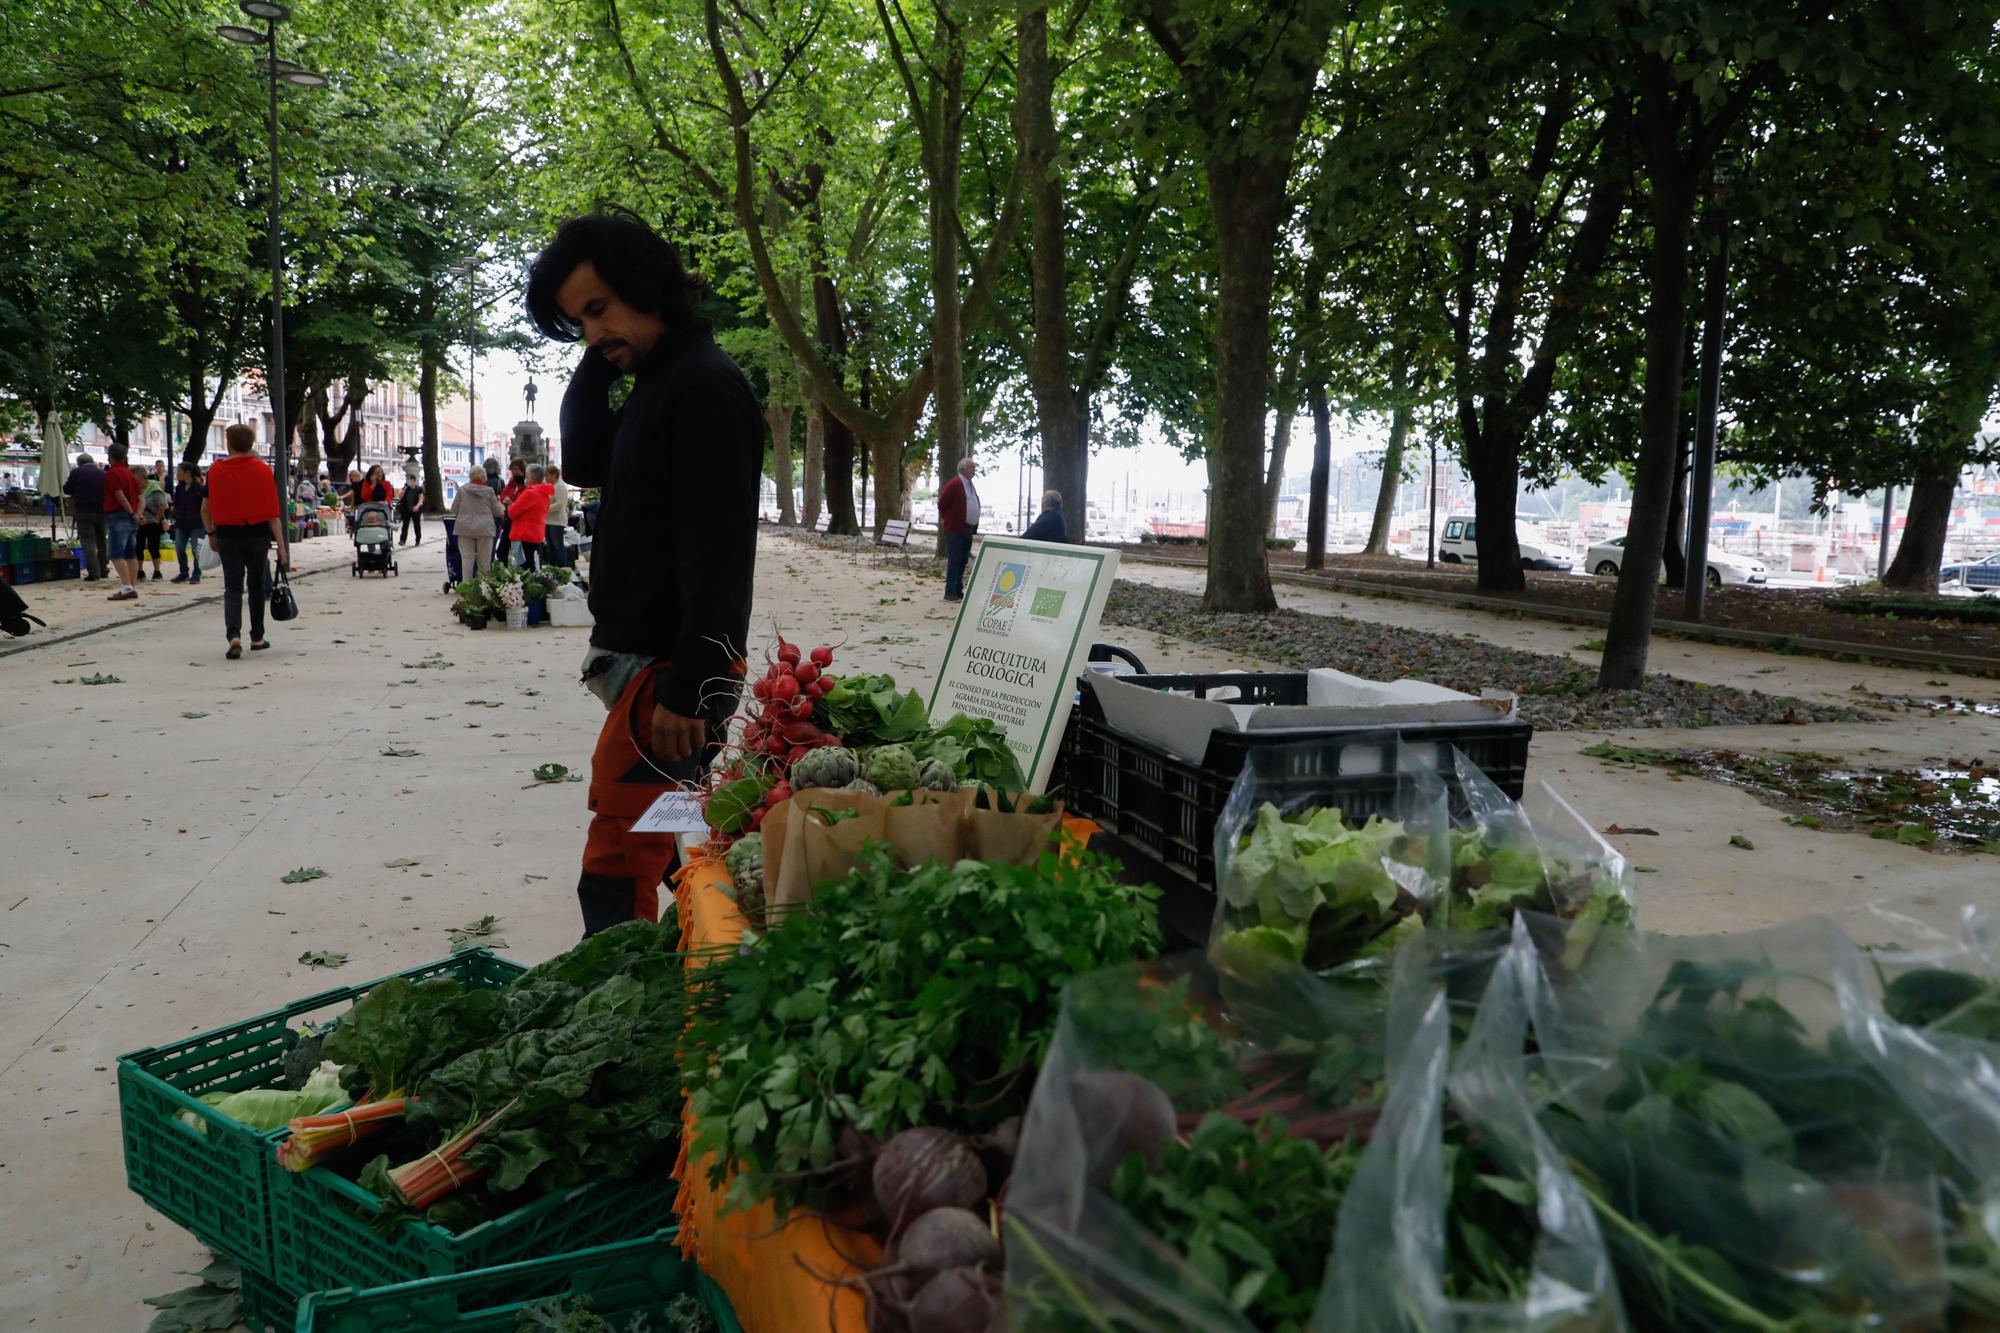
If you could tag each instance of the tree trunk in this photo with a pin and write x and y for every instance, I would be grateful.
(814, 462)
(1496, 486)
(309, 453)
(778, 416)
(947, 309)
(837, 448)
(1673, 555)
(837, 453)
(1629, 638)
(427, 382)
(1060, 409)
(1274, 475)
(1248, 190)
(1392, 479)
(1920, 554)
(342, 450)
(1322, 476)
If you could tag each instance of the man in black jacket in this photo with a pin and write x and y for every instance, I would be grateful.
(673, 556)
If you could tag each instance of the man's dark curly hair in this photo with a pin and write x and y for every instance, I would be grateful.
(635, 261)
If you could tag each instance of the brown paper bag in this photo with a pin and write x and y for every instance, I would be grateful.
(931, 827)
(810, 849)
(1018, 839)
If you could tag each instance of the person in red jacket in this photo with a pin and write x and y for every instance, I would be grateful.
(241, 517)
(958, 519)
(375, 488)
(528, 517)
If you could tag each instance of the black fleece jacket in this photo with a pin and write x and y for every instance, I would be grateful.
(674, 551)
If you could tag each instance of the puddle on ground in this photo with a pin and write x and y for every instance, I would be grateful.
(1942, 704)
(1954, 806)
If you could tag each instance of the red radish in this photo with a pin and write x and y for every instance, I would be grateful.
(822, 656)
(828, 681)
(788, 653)
(805, 673)
(785, 687)
(802, 708)
(817, 689)
(757, 819)
(797, 753)
(781, 792)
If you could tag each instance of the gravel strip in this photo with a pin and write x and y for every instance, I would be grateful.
(1557, 693)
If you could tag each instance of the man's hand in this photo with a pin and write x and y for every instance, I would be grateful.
(675, 737)
(214, 545)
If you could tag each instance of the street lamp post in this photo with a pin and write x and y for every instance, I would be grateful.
(279, 70)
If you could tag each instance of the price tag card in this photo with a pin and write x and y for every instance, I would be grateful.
(674, 812)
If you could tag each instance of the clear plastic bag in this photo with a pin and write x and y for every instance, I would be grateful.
(1175, 1168)
(1532, 855)
(1328, 855)
(1273, 1081)
(1764, 1148)
(1462, 1214)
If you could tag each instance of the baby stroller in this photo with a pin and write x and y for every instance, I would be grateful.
(373, 548)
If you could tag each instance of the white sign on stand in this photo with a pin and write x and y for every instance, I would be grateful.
(1023, 634)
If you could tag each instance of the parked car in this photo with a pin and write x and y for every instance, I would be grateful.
(1983, 575)
(1459, 545)
(1723, 566)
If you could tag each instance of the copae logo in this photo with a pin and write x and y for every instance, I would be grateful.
(997, 617)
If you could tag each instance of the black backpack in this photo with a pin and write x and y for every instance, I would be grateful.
(14, 615)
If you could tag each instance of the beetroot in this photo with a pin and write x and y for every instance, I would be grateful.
(944, 1238)
(925, 1168)
(958, 1300)
(1118, 1114)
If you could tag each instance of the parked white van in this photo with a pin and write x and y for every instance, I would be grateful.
(1459, 545)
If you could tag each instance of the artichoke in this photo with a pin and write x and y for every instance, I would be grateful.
(862, 784)
(890, 767)
(936, 775)
(827, 766)
(745, 863)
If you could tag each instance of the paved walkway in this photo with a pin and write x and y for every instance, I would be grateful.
(144, 848)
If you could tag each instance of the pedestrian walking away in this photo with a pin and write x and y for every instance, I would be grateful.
(475, 512)
(556, 540)
(1049, 525)
(410, 505)
(240, 514)
(189, 492)
(155, 508)
(527, 519)
(680, 464)
(958, 520)
(85, 489)
(121, 523)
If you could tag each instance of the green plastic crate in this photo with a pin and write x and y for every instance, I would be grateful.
(322, 1236)
(267, 1307)
(217, 1183)
(624, 1280)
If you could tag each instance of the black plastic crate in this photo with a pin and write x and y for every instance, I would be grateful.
(1167, 808)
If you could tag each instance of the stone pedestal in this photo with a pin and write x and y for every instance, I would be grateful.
(529, 443)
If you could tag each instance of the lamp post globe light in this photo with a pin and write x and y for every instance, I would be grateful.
(284, 71)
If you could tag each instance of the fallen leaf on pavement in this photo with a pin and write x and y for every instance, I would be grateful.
(1648, 832)
(1738, 840)
(322, 958)
(304, 874)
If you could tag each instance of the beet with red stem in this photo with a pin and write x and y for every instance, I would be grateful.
(944, 1238)
(1118, 1114)
(958, 1300)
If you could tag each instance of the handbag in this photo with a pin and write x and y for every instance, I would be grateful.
(284, 606)
(207, 558)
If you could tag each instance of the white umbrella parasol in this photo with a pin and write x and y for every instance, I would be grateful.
(55, 457)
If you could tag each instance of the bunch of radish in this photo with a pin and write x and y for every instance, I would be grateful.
(781, 726)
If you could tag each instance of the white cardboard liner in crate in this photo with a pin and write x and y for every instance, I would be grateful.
(1180, 723)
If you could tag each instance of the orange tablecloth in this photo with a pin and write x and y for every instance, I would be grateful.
(767, 1272)
(775, 1277)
